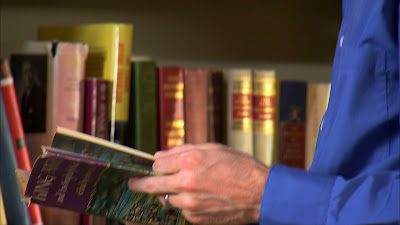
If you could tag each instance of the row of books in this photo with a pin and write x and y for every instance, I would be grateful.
(250, 110)
(50, 83)
(78, 83)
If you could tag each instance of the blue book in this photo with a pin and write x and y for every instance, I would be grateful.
(16, 210)
(292, 121)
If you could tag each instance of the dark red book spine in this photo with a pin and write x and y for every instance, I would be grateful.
(97, 92)
(17, 130)
(195, 102)
(171, 106)
(215, 102)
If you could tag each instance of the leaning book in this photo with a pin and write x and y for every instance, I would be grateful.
(90, 175)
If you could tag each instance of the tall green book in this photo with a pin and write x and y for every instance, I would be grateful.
(142, 129)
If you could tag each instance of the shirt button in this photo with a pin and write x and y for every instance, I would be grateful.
(341, 41)
(321, 125)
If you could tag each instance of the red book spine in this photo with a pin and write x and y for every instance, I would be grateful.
(172, 125)
(215, 101)
(97, 107)
(195, 102)
(17, 130)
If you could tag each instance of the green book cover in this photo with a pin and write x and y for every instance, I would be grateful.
(142, 130)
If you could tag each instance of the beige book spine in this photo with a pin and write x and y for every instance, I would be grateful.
(264, 115)
(239, 109)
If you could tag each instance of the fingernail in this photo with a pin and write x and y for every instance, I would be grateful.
(160, 153)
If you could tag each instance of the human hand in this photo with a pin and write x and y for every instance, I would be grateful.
(211, 183)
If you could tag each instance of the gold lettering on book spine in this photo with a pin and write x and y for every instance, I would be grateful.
(175, 131)
(242, 104)
(264, 105)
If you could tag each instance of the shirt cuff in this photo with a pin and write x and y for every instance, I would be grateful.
(294, 196)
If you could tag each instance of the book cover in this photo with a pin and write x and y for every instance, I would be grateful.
(50, 90)
(292, 115)
(265, 116)
(16, 129)
(239, 109)
(317, 102)
(195, 105)
(15, 209)
(88, 174)
(216, 117)
(110, 47)
(143, 121)
(171, 106)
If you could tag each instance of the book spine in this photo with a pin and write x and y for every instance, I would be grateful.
(143, 113)
(264, 109)
(239, 109)
(215, 98)
(16, 129)
(32, 85)
(195, 105)
(171, 106)
(69, 83)
(97, 93)
(14, 118)
(121, 82)
(15, 209)
(292, 123)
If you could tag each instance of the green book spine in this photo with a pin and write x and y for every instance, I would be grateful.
(142, 131)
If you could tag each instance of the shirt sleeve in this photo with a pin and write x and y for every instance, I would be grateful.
(294, 196)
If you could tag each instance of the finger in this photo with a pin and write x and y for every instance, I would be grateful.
(174, 150)
(175, 163)
(153, 184)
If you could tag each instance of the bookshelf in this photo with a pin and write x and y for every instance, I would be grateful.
(296, 36)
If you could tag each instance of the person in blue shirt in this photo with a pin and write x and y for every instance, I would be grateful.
(355, 175)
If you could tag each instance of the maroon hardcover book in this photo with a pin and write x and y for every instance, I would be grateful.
(97, 110)
(171, 108)
(195, 105)
(215, 120)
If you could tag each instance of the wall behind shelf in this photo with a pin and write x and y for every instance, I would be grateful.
(253, 33)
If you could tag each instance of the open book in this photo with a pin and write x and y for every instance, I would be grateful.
(90, 175)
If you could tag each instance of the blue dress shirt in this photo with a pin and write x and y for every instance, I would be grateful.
(355, 175)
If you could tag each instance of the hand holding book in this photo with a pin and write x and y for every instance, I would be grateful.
(90, 175)
(211, 183)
